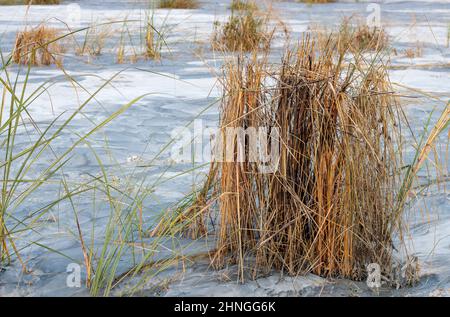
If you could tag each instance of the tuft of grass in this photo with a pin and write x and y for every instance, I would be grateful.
(154, 40)
(246, 5)
(242, 32)
(313, 212)
(354, 38)
(414, 52)
(151, 40)
(178, 4)
(37, 46)
(25, 166)
(94, 40)
(362, 37)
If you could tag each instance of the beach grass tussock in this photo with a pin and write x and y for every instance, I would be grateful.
(330, 206)
(37, 46)
(361, 37)
(244, 31)
(354, 38)
(247, 5)
(178, 4)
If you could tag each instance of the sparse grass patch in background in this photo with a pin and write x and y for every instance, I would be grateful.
(22, 2)
(248, 5)
(94, 40)
(150, 43)
(242, 32)
(178, 4)
(354, 38)
(361, 37)
(154, 40)
(414, 52)
(37, 46)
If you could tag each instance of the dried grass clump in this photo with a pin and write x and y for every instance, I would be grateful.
(414, 52)
(178, 4)
(353, 38)
(330, 205)
(242, 32)
(38, 46)
(247, 5)
(361, 37)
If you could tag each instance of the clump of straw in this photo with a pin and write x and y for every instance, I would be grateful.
(243, 5)
(244, 31)
(329, 207)
(361, 37)
(38, 46)
(178, 4)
